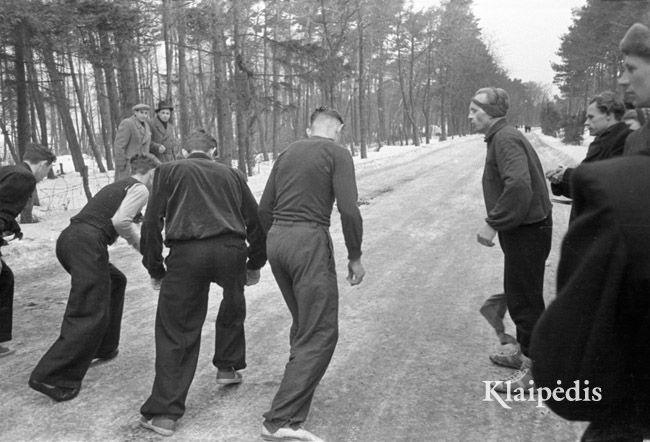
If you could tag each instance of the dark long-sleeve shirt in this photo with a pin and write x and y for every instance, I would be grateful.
(197, 198)
(514, 186)
(17, 183)
(304, 182)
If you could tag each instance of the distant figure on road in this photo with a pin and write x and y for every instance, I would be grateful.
(519, 210)
(164, 144)
(133, 136)
(604, 280)
(604, 115)
(17, 184)
(295, 209)
(208, 213)
(93, 317)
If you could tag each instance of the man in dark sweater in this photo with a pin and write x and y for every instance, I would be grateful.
(93, 316)
(296, 206)
(17, 184)
(519, 210)
(208, 213)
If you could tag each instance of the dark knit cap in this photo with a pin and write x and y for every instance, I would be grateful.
(200, 140)
(35, 153)
(636, 41)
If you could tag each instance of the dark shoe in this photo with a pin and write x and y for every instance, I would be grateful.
(228, 376)
(59, 394)
(6, 351)
(611, 432)
(99, 359)
(286, 434)
(159, 424)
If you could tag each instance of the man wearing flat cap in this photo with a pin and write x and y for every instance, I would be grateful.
(519, 211)
(163, 135)
(17, 184)
(635, 81)
(598, 327)
(209, 214)
(133, 136)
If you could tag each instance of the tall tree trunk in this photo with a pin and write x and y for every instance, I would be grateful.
(22, 120)
(127, 77)
(104, 114)
(169, 54)
(222, 102)
(63, 105)
(84, 117)
(362, 111)
(111, 84)
(182, 80)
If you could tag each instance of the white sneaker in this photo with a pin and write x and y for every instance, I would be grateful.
(520, 379)
(288, 434)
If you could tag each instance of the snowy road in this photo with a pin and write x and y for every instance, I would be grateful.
(412, 353)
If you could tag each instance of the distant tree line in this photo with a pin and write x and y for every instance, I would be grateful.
(249, 71)
(590, 60)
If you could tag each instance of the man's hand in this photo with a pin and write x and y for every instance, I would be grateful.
(555, 175)
(252, 276)
(155, 283)
(486, 235)
(162, 149)
(356, 272)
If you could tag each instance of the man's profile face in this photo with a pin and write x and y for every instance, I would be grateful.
(635, 80)
(42, 170)
(478, 117)
(597, 121)
(164, 115)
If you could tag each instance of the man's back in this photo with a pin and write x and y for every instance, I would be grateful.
(17, 184)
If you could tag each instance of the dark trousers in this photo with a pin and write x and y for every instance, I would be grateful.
(525, 249)
(182, 308)
(6, 302)
(302, 262)
(93, 316)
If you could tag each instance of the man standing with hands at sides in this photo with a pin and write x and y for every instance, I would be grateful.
(296, 206)
(17, 184)
(519, 210)
(133, 136)
(92, 319)
(209, 214)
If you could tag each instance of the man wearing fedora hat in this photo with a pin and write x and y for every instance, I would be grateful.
(163, 135)
(133, 136)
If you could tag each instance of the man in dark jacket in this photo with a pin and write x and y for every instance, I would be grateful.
(17, 184)
(163, 136)
(93, 316)
(604, 115)
(208, 213)
(519, 210)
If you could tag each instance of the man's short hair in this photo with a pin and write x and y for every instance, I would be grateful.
(143, 162)
(35, 153)
(200, 140)
(325, 111)
(608, 103)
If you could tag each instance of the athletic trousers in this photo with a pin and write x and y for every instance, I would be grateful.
(302, 261)
(182, 307)
(93, 316)
(525, 250)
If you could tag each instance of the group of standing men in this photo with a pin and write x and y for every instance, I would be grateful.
(595, 334)
(215, 232)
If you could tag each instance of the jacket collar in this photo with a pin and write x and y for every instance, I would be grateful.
(499, 124)
(199, 156)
